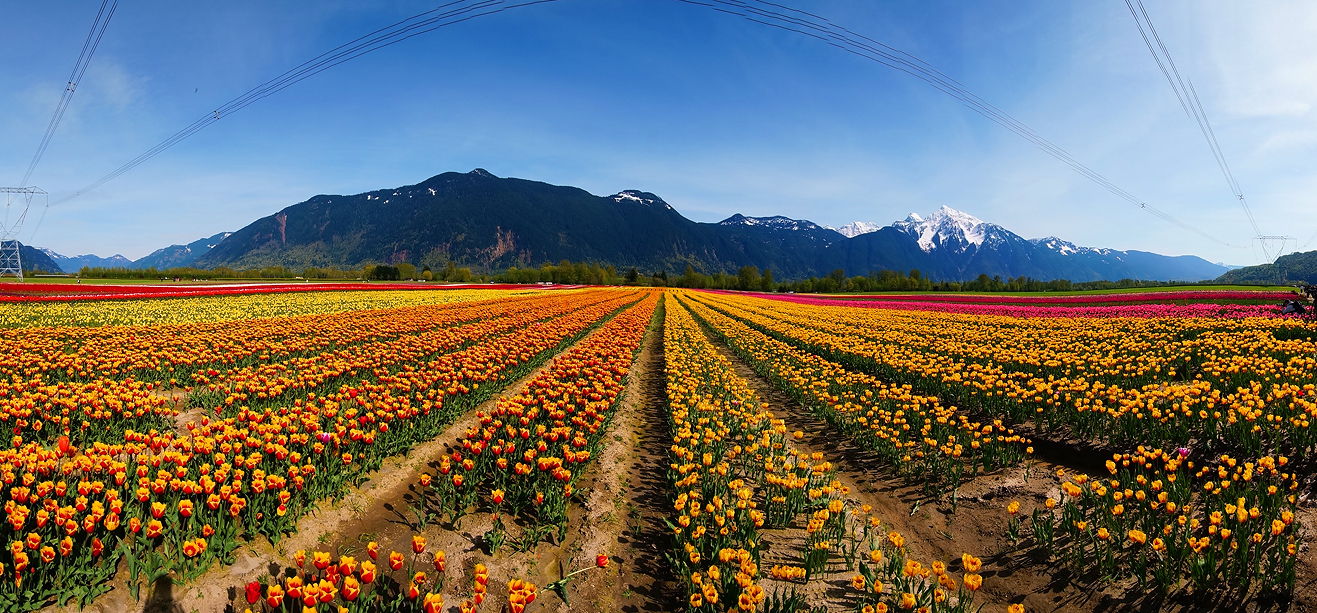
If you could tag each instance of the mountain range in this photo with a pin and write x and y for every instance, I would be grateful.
(478, 219)
(169, 257)
(488, 222)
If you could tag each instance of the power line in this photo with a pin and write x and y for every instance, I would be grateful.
(789, 19)
(820, 28)
(1187, 95)
(79, 68)
(422, 23)
(448, 14)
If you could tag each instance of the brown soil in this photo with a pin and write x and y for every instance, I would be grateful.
(978, 525)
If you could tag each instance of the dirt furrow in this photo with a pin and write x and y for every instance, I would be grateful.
(932, 532)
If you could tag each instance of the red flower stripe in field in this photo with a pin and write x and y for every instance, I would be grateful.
(47, 292)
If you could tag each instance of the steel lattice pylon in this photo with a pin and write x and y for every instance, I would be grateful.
(11, 261)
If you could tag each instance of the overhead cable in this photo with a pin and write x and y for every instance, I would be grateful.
(1189, 102)
(79, 68)
(429, 21)
(821, 28)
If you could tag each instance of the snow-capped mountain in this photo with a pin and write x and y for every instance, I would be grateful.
(74, 263)
(856, 228)
(1064, 247)
(644, 198)
(950, 229)
(168, 257)
(776, 222)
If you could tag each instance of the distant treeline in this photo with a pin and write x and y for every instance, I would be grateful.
(566, 272)
(189, 273)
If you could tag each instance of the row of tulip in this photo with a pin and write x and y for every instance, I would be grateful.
(736, 478)
(918, 437)
(62, 292)
(1160, 520)
(268, 382)
(1154, 309)
(524, 457)
(171, 503)
(45, 410)
(1177, 296)
(1244, 386)
(724, 444)
(195, 309)
(1227, 526)
(350, 586)
(179, 350)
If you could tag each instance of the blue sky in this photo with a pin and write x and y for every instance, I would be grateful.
(715, 114)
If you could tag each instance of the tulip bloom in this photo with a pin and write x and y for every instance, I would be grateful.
(439, 561)
(274, 596)
(351, 588)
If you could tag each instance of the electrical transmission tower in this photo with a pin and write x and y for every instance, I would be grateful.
(1274, 244)
(16, 198)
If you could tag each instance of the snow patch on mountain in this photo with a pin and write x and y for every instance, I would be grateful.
(856, 228)
(1065, 247)
(644, 198)
(777, 222)
(951, 229)
(223, 235)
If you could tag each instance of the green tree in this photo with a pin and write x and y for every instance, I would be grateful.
(748, 278)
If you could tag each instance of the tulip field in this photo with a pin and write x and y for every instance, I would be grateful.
(320, 447)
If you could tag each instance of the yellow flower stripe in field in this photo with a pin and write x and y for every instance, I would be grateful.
(735, 474)
(718, 426)
(1127, 381)
(174, 503)
(533, 446)
(918, 437)
(141, 312)
(1228, 527)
